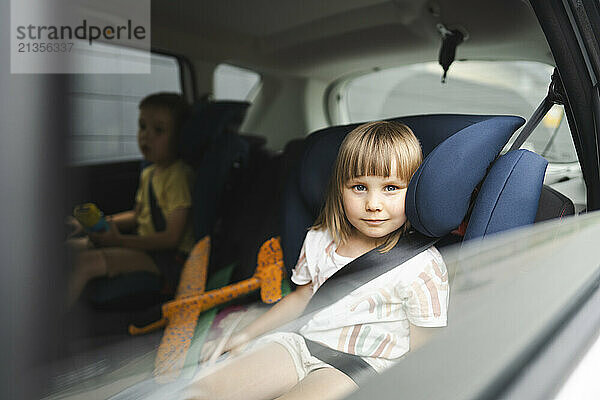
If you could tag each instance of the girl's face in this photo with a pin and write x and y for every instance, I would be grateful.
(374, 205)
(155, 134)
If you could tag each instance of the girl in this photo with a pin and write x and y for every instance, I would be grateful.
(152, 248)
(372, 326)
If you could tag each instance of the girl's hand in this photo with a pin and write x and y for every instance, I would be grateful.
(234, 345)
(110, 238)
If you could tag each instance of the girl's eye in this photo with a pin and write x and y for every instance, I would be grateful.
(359, 188)
(391, 188)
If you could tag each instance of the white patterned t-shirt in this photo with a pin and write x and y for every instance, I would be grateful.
(373, 320)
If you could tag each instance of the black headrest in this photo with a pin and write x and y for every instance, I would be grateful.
(206, 122)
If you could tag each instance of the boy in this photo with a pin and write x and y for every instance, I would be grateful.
(168, 180)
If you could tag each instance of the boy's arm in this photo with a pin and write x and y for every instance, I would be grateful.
(125, 221)
(167, 239)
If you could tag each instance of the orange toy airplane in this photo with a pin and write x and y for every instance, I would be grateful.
(181, 315)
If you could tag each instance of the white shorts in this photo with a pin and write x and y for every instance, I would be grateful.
(304, 362)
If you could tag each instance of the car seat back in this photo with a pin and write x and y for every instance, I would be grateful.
(509, 195)
(553, 204)
(254, 219)
(211, 145)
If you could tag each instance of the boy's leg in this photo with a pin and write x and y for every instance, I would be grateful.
(109, 261)
(322, 384)
(264, 373)
(89, 264)
(79, 244)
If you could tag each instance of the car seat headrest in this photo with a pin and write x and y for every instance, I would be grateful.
(322, 146)
(206, 122)
(439, 193)
(502, 202)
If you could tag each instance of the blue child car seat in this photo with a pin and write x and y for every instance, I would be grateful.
(458, 150)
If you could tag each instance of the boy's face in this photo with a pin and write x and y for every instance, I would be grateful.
(155, 134)
(374, 205)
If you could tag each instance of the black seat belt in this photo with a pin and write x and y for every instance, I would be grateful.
(165, 260)
(555, 96)
(158, 218)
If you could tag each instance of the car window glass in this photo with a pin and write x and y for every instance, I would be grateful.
(104, 107)
(233, 83)
(477, 87)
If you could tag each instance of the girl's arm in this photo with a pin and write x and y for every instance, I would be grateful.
(286, 310)
(420, 335)
(167, 239)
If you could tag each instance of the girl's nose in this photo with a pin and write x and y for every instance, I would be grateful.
(373, 203)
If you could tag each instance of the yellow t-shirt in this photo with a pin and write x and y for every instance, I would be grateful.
(173, 189)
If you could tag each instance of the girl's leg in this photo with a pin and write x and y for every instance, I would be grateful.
(322, 384)
(265, 373)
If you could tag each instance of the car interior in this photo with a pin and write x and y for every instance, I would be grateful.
(274, 88)
(297, 75)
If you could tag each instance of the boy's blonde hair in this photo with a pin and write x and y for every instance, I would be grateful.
(370, 149)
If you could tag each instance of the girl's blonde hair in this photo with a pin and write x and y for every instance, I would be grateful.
(370, 149)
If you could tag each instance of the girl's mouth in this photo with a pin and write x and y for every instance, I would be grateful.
(374, 221)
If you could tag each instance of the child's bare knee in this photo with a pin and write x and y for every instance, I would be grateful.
(90, 264)
(202, 390)
(78, 244)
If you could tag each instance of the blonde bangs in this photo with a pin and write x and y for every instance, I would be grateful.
(372, 149)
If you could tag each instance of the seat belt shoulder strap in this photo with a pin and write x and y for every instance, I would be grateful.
(555, 96)
(158, 218)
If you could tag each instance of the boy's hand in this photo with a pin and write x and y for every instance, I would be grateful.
(110, 238)
(75, 227)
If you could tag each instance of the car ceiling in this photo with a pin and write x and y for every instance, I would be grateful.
(328, 39)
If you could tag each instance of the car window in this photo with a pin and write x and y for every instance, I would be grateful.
(477, 87)
(105, 107)
(508, 293)
(233, 83)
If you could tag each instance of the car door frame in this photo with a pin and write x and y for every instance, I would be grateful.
(577, 59)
